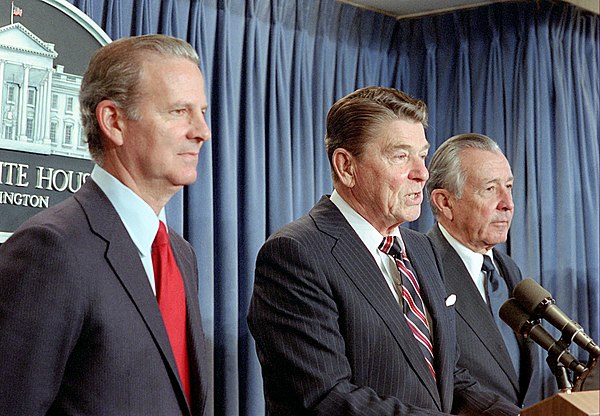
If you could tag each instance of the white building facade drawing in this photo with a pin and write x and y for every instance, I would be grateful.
(39, 103)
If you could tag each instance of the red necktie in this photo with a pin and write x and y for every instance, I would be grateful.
(170, 294)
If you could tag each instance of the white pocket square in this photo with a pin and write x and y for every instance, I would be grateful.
(451, 300)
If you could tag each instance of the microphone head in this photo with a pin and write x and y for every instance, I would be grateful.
(531, 296)
(514, 316)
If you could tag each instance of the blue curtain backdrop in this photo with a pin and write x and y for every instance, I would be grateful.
(525, 74)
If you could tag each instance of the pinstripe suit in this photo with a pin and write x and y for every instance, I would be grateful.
(331, 338)
(482, 349)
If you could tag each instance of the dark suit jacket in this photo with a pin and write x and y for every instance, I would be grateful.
(482, 349)
(80, 328)
(331, 338)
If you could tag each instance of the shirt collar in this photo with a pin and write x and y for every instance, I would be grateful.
(366, 232)
(137, 216)
(472, 260)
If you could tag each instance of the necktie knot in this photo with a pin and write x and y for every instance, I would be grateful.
(391, 246)
(162, 236)
(490, 270)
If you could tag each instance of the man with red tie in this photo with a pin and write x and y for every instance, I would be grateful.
(99, 309)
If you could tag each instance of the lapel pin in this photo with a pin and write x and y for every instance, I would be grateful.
(451, 299)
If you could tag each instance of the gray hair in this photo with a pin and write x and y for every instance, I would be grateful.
(114, 73)
(354, 119)
(446, 170)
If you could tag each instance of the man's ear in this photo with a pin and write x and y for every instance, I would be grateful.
(110, 118)
(443, 201)
(344, 167)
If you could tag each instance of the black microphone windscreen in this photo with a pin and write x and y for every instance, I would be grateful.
(514, 316)
(520, 321)
(530, 295)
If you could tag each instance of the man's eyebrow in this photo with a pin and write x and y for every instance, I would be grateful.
(403, 146)
(497, 179)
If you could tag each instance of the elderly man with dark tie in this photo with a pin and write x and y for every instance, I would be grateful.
(470, 190)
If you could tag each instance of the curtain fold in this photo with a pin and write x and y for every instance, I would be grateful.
(144, 18)
(524, 73)
(252, 198)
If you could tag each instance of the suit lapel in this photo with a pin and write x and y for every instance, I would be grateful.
(360, 267)
(471, 306)
(105, 222)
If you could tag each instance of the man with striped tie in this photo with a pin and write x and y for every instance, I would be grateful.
(349, 311)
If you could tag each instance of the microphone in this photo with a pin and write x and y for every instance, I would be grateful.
(538, 302)
(518, 320)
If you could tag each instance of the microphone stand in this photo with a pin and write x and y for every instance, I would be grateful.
(582, 383)
(562, 376)
(563, 380)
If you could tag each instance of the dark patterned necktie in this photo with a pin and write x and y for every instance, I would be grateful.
(497, 293)
(170, 294)
(412, 303)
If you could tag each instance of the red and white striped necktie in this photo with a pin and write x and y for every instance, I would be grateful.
(412, 303)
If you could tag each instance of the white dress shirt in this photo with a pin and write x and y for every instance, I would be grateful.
(472, 261)
(137, 216)
(371, 238)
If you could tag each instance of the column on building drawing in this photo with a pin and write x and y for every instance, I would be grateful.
(23, 108)
(48, 105)
(43, 109)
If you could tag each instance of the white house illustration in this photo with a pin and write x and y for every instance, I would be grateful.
(39, 104)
